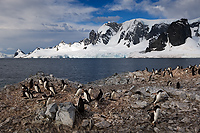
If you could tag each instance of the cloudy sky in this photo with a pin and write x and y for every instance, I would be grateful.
(27, 24)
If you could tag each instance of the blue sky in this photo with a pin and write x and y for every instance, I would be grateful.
(27, 24)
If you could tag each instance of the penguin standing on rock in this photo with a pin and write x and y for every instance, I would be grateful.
(37, 88)
(31, 84)
(178, 85)
(52, 89)
(87, 96)
(80, 105)
(157, 97)
(24, 89)
(46, 84)
(28, 94)
(99, 95)
(155, 114)
(40, 81)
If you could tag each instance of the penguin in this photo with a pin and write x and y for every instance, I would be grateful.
(40, 81)
(99, 95)
(157, 97)
(146, 69)
(37, 88)
(177, 85)
(79, 92)
(164, 73)
(169, 83)
(24, 89)
(63, 84)
(198, 71)
(80, 105)
(46, 84)
(31, 84)
(171, 75)
(155, 114)
(90, 91)
(153, 71)
(150, 78)
(87, 96)
(193, 71)
(29, 94)
(52, 89)
(178, 67)
(44, 96)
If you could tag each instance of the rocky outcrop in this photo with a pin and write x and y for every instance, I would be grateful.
(178, 32)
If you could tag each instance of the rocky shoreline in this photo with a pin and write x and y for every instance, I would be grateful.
(124, 107)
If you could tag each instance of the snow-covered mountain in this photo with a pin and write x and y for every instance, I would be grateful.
(137, 38)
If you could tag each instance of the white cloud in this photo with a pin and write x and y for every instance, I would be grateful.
(162, 8)
(33, 14)
(28, 24)
(122, 5)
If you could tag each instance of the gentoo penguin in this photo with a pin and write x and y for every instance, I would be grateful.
(177, 85)
(79, 92)
(171, 75)
(46, 85)
(156, 112)
(193, 71)
(150, 78)
(87, 96)
(90, 91)
(157, 97)
(52, 89)
(63, 83)
(164, 73)
(99, 95)
(146, 69)
(37, 88)
(153, 71)
(31, 84)
(40, 81)
(24, 89)
(29, 94)
(80, 105)
(169, 83)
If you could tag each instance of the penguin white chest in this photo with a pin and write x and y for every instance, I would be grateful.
(156, 114)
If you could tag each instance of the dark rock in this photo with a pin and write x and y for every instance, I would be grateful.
(93, 37)
(178, 32)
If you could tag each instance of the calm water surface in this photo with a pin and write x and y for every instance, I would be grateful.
(81, 70)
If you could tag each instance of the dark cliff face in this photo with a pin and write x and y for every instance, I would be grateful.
(178, 32)
(158, 35)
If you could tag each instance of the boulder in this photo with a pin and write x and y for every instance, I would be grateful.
(51, 110)
(66, 114)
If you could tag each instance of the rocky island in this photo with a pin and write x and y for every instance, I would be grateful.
(125, 105)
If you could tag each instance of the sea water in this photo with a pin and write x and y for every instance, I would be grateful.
(82, 70)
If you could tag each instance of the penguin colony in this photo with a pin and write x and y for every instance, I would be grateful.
(48, 90)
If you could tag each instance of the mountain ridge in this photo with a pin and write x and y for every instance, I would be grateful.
(136, 38)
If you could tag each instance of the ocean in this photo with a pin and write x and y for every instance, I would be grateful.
(82, 70)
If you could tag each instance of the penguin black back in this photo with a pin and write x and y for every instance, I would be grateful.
(80, 106)
(99, 95)
(31, 84)
(177, 85)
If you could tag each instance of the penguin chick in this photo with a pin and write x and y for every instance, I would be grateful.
(157, 97)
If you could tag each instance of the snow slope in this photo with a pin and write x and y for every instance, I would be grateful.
(118, 41)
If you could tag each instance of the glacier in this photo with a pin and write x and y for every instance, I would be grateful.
(136, 38)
